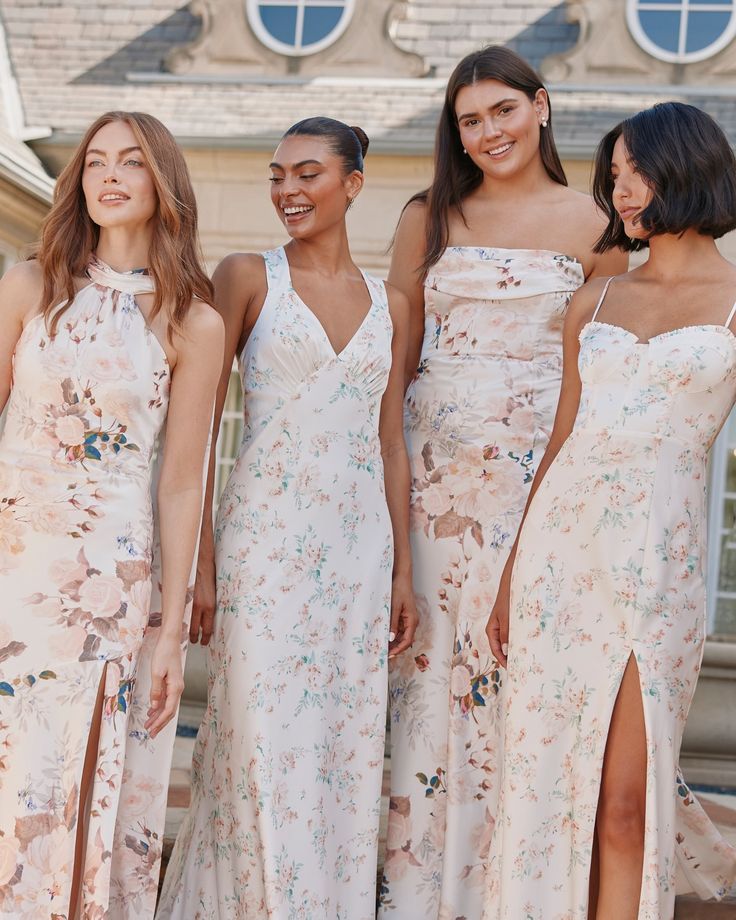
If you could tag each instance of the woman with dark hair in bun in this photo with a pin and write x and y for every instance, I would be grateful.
(604, 614)
(489, 257)
(310, 558)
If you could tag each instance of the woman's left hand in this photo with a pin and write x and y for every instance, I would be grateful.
(404, 615)
(167, 683)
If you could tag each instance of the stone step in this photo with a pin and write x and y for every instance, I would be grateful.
(690, 907)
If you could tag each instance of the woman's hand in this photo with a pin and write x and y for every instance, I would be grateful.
(205, 602)
(167, 683)
(404, 615)
(497, 628)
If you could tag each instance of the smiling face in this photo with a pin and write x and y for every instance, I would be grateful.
(499, 126)
(631, 194)
(309, 187)
(117, 184)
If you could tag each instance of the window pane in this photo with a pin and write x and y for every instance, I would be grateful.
(725, 624)
(319, 22)
(729, 514)
(730, 471)
(662, 28)
(705, 28)
(280, 21)
(727, 571)
(231, 433)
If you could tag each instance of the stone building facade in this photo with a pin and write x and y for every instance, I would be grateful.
(229, 76)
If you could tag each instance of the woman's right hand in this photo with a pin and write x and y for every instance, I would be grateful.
(202, 623)
(497, 628)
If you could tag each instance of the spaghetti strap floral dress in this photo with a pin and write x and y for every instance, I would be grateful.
(610, 567)
(78, 611)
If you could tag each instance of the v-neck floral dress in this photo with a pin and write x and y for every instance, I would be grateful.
(80, 607)
(610, 566)
(288, 764)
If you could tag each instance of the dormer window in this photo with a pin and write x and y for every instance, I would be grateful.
(682, 31)
(299, 27)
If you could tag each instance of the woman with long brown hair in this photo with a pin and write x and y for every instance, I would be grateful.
(489, 257)
(106, 334)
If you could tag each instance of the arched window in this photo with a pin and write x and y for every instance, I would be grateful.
(299, 27)
(682, 31)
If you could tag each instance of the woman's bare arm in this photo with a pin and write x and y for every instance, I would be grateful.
(240, 289)
(405, 273)
(404, 616)
(579, 311)
(191, 399)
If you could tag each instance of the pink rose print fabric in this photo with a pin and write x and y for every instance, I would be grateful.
(478, 417)
(79, 607)
(611, 564)
(288, 763)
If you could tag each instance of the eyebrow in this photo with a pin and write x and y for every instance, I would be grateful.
(104, 152)
(496, 105)
(296, 165)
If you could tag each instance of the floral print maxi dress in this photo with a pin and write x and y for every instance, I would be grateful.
(288, 762)
(80, 607)
(610, 565)
(478, 418)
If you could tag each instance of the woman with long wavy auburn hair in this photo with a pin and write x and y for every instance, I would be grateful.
(105, 335)
(489, 256)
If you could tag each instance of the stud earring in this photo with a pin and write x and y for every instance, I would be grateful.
(465, 151)
(544, 122)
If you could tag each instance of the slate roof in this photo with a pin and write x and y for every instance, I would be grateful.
(74, 59)
(18, 163)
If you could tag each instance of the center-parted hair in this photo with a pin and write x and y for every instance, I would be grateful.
(685, 159)
(455, 174)
(69, 236)
(348, 142)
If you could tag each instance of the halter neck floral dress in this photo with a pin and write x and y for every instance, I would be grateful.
(79, 607)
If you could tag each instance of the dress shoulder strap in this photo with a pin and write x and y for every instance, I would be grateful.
(727, 324)
(277, 268)
(601, 299)
(377, 290)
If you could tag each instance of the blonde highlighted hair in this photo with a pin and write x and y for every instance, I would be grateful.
(69, 236)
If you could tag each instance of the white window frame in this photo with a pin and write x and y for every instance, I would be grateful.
(633, 7)
(265, 37)
(230, 424)
(717, 526)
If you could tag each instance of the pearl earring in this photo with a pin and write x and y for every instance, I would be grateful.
(465, 151)
(544, 122)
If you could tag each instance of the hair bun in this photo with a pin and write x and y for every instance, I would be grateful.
(362, 137)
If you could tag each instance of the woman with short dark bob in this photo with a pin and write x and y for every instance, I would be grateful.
(602, 601)
(489, 256)
(310, 555)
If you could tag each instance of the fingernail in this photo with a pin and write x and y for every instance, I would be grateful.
(505, 648)
(391, 636)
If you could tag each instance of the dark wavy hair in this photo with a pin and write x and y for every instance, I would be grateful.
(348, 142)
(455, 174)
(687, 162)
